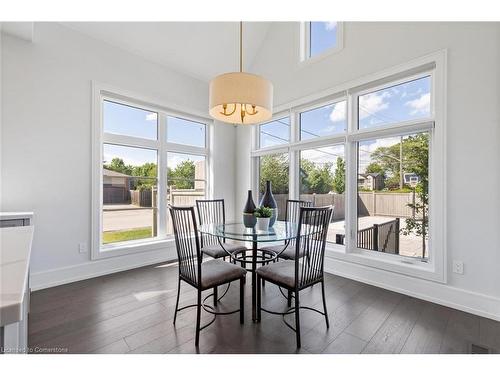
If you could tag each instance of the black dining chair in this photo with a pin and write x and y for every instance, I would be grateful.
(213, 211)
(200, 275)
(287, 250)
(302, 272)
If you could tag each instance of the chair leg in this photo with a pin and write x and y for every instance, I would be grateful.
(215, 296)
(297, 318)
(242, 300)
(324, 303)
(177, 302)
(289, 298)
(198, 319)
(259, 302)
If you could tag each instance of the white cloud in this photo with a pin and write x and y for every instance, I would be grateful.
(338, 112)
(420, 105)
(330, 25)
(370, 104)
(151, 117)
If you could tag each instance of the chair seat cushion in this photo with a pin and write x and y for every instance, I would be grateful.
(216, 251)
(217, 272)
(289, 253)
(282, 272)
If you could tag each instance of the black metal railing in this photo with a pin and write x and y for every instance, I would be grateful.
(380, 237)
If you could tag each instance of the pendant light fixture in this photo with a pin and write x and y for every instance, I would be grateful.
(240, 98)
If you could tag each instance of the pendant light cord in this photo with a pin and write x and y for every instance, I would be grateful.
(241, 46)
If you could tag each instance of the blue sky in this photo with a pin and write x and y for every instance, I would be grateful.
(125, 120)
(323, 36)
(404, 102)
(323, 121)
(275, 132)
(131, 121)
(185, 132)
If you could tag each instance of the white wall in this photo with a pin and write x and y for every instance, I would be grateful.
(473, 139)
(46, 149)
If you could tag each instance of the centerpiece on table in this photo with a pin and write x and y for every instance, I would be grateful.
(269, 201)
(263, 215)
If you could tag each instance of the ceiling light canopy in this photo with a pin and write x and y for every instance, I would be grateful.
(240, 98)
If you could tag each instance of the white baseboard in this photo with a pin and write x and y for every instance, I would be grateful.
(460, 299)
(95, 268)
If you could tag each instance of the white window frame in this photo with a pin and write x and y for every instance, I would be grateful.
(305, 41)
(101, 92)
(433, 65)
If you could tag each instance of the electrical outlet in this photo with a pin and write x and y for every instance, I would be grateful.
(82, 247)
(458, 267)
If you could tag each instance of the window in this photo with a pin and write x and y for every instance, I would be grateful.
(321, 38)
(129, 190)
(127, 120)
(185, 132)
(274, 133)
(275, 168)
(322, 182)
(186, 180)
(148, 157)
(393, 195)
(404, 102)
(327, 120)
(376, 153)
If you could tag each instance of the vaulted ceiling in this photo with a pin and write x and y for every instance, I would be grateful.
(199, 49)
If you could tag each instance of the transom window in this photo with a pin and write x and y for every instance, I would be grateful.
(320, 38)
(148, 158)
(368, 153)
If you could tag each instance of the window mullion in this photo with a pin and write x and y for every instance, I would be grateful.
(162, 178)
(351, 175)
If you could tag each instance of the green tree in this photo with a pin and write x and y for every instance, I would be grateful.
(321, 178)
(274, 168)
(375, 168)
(145, 170)
(416, 160)
(339, 178)
(118, 165)
(182, 177)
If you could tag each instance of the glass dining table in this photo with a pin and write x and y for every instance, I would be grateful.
(281, 232)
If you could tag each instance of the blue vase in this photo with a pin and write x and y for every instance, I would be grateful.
(269, 201)
(249, 219)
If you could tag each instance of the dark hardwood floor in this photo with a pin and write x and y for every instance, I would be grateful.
(132, 312)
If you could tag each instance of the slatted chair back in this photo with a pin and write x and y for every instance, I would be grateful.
(292, 213)
(293, 209)
(311, 241)
(210, 211)
(187, 244)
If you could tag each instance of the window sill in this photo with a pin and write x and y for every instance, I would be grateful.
(131, 247)
(386, 262)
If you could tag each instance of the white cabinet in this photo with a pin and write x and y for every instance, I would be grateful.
(16, 234)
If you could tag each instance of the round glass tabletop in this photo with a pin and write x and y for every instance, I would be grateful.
(280, 231)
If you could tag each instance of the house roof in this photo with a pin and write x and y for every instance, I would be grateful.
(364, 175)
(110, 173)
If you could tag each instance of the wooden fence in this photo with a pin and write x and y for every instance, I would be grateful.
(369, 204)
(115, 195)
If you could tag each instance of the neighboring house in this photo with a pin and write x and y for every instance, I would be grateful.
(113, 178)
(371, 181)
(116, 187)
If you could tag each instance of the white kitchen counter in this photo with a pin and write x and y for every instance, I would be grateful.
(15, 253)
(15, 215)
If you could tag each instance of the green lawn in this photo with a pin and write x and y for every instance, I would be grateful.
(126, 235)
